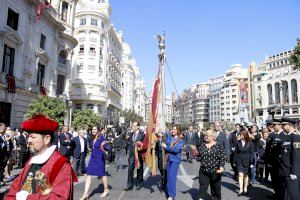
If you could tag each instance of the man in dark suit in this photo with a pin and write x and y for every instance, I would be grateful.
(80, 151)
(65, 142)
(135, 137)
(222, 139)
(189, 139)
(22, 140)
(232, 144)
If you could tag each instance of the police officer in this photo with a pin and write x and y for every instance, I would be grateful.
(290, 159)
(273, 148)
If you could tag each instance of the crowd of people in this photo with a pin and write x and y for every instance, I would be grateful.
(257, 155)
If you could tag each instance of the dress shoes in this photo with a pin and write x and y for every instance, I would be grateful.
(138, 187)
(128, 188)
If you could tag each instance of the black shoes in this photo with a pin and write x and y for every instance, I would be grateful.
(128, 188)
(242, 194)
(138, 187)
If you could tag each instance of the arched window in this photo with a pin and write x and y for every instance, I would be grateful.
(285, 92)
(270, 93)
(294, 90)
(277, 93)
(62, 57)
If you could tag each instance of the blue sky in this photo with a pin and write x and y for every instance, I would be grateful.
(205, 37)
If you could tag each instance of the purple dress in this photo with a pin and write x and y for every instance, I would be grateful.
(96, 166)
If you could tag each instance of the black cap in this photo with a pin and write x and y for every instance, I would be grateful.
(269, 121)
(277, 121)
(286, 120)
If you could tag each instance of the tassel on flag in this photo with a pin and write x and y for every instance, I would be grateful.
(40, 8)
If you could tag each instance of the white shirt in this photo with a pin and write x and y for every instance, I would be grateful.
(74, 134)
(243, 143)
(81, 144)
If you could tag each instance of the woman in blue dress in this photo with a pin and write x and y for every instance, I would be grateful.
(173, 145)
(96, 166)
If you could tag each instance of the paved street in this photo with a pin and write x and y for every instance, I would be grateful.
(187, 185)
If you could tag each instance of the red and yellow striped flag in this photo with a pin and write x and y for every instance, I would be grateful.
(150, 138)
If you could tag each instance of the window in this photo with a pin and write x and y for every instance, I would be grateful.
(90, 106)
(285, 92)
(94, 22)
(77, 106)
(295, 110)
(82, 21)
(81, 48)
(102, 25)
(64, 11)
(294, 91)
(270, 94)
(92, 49)
(62, 57)
(42, 41)
(60, 84)
(8, 60)
(12, 19)
(40, 75)
(277, 93)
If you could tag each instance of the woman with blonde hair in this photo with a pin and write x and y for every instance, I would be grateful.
(212, 160)
(96, 166)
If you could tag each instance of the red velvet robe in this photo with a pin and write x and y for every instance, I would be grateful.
(62, 184)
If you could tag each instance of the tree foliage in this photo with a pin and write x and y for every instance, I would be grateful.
(229, 126)
(86, 117)
(295, 58)
(54, 108)
(207, 125)
(131, 116)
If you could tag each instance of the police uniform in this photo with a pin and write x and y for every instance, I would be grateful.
(290, 162)
(273, 150)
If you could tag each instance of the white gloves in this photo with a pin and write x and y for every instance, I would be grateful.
(22, 195)
(251, 166)
(293, 177)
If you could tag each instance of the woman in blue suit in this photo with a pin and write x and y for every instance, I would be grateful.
(96, 166)
(173, 145)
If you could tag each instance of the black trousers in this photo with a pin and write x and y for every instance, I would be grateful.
(163, 172)
(3, 163)
(214, 180)
(234, 168)
(131, 167)
(79, 164)
(291, 188)
(277, 184)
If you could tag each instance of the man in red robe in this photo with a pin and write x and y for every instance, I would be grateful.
(47, 174)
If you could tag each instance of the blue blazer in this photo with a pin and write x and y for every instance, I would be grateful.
(175, 151)
(77, 147)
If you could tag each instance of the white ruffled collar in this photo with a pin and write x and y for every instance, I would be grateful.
(42, 158)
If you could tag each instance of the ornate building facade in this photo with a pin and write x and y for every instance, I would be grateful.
(276, 84)
(36, 45)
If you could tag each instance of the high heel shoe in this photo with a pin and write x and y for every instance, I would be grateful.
(84, 198)
(104, 194)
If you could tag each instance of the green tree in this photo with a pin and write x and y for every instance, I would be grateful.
(54, 108)
(131, 116)
(86, 117)
(295, 58)
(229, 126)
(207, 125)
